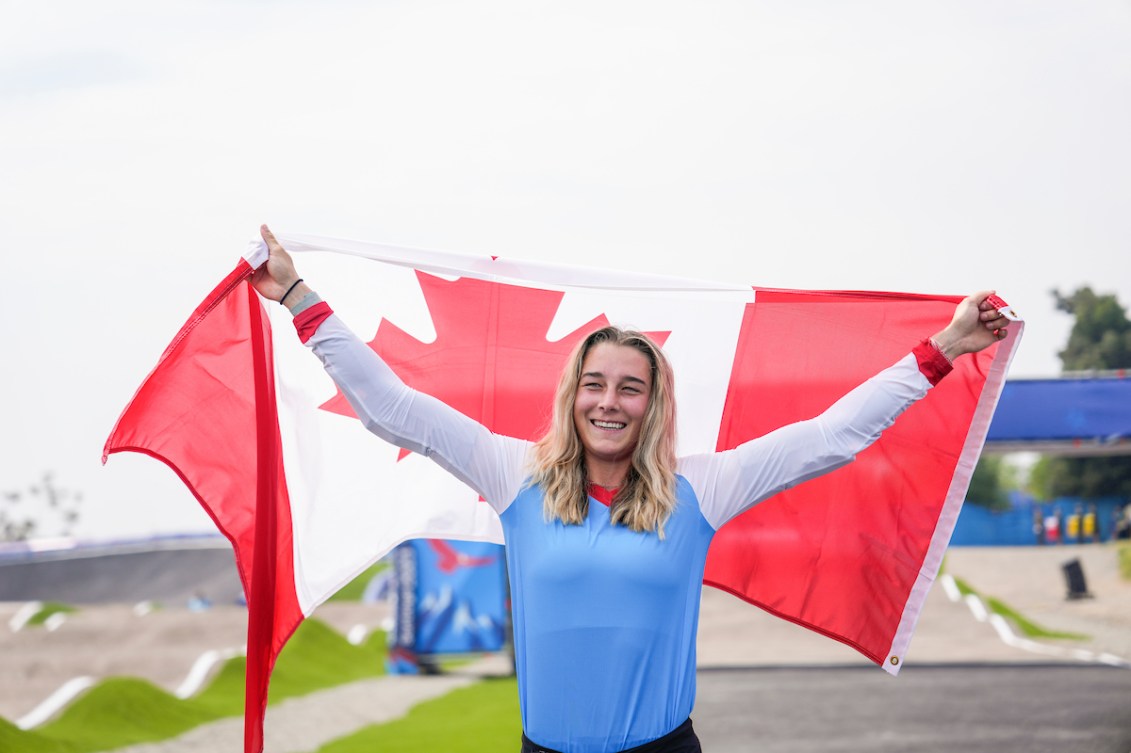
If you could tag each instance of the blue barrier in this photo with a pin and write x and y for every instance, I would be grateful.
(1032, 523)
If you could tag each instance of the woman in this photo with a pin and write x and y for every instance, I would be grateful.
(606, 530)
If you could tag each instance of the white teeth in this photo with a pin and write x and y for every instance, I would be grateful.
(608, 425)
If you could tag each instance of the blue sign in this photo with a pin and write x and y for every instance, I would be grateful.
(450, 599)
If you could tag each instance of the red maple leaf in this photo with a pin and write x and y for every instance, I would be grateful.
(491, 360)
(449, 559)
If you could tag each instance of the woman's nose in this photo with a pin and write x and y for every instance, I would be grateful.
(608, 399)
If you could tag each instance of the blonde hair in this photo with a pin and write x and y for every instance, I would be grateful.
(646, 499)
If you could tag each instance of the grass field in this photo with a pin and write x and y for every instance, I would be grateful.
(481, 717)
(354, 590)
(123, 711)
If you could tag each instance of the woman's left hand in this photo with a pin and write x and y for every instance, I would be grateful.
(976, 325)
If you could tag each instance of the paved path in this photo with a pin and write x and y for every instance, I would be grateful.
(1062, 708)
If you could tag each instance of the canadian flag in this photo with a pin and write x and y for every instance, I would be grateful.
(262, 437)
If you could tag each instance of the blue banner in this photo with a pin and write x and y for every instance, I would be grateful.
(451, 599)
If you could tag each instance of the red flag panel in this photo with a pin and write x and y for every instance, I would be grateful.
(208, 412)
(840, 554)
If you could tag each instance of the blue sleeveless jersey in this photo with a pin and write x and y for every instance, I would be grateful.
(604, 623)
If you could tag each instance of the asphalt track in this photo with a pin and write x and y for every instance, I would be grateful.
(1055, 708)
(171, 570)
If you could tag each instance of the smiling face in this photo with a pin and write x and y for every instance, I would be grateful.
(609, 407)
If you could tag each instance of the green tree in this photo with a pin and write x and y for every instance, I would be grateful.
(1089, 478)
(18, 523)
(1100, 340)
(1101, 335)
(990, 484)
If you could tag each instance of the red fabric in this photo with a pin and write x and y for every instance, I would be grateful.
(998, 302)
(602, 495)
(933, 363)
(818, 553)
(308, 321)
(213, 383)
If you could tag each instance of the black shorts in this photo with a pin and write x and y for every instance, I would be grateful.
(682, 739)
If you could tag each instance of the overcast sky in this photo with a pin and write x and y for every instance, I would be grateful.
(909, 146)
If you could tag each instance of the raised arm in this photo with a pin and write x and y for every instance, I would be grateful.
(733, 481)
(490, 464)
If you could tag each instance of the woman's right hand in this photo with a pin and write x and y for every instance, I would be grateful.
(277, 275)
(976, 325)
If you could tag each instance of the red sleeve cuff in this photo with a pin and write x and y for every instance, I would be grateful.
(932, 363)
(309, 320)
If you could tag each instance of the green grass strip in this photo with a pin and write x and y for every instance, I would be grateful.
(1124, 554)
(964, 587)
(483, 716)
(355, 589)
(1027, 627)
(48, 609)
(15, 739)
(121, 711)
(318, 657)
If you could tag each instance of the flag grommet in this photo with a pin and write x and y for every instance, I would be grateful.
(895, 661)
